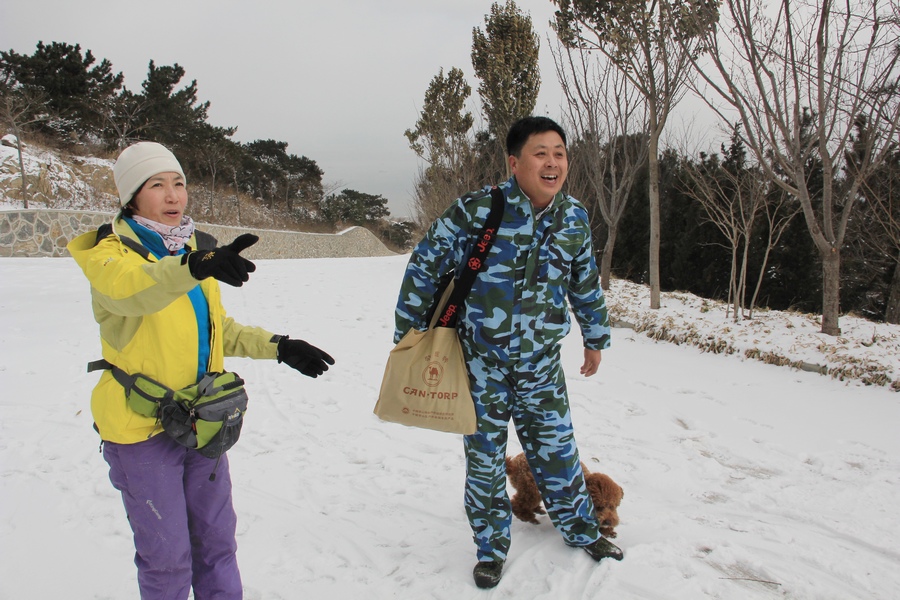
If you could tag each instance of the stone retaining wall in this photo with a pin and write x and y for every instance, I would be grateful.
(33, 233)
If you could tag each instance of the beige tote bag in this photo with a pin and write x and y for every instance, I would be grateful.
(425, 381)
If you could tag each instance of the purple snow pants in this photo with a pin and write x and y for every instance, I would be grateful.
(183, 523)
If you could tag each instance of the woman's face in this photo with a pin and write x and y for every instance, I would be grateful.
(162, 198)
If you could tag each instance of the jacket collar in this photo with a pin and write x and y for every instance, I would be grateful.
(129, 238)
(516, 197)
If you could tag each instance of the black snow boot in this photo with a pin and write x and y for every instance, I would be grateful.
(487, 573)
(603, 548)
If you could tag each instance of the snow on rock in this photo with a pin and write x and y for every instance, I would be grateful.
(73, 183)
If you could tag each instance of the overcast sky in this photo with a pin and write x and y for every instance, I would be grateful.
(338, 80)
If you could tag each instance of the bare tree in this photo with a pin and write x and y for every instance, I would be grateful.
(734, 195)
(731, 202)
(234, 166)
(436, 186)
(780, 209)
(215, 151)
(651, 42)
(800, 81)
(121, 117)
(19, 108)
(603, 111)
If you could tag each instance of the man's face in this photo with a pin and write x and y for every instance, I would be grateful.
(541, 168)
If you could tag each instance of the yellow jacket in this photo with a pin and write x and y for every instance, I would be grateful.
(148, 324)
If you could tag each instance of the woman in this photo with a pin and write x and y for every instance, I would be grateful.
(156, 298)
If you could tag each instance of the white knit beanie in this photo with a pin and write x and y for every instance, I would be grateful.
(138, 163)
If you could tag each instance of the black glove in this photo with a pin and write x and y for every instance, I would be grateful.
(304, 357)
(223, 263)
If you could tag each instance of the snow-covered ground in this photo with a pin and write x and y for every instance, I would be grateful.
(742, 479)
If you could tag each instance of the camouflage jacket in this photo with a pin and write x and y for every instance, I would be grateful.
(517, 306)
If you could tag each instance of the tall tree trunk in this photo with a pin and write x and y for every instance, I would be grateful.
(287, 194)
(892, 311)
(606, 261)
(831, 293)
(733, 284)
(759, 280)
(22, 170)
(742, 283)
(212, 196)
(237, 196)
(653, 164)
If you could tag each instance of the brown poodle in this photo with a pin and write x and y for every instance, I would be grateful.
(526, 502)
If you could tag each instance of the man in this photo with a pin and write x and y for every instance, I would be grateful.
(511, 327)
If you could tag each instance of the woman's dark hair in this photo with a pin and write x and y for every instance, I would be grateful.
(526, 127)
(128, 209)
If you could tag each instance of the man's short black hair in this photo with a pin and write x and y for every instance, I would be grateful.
(526, 127)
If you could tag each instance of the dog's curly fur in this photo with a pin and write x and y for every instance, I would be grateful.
(527, 504)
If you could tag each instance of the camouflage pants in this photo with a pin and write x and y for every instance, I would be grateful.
(533, 395)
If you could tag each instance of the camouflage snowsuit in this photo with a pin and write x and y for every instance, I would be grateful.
(513, 322)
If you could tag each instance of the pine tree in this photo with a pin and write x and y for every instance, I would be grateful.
(169, 116)
(71, 83)
(505, 59)
(352, 207)
(441, 139)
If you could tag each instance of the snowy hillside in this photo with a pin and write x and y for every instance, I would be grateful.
(65, 183)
